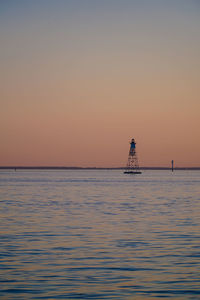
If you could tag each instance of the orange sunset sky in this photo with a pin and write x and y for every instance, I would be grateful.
(80, 78)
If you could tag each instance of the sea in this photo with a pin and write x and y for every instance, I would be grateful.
(99, 234)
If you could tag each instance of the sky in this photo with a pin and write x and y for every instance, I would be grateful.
(80, 78)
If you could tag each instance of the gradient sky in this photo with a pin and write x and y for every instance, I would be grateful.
(80, 78)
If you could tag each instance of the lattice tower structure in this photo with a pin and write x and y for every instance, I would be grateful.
(132, 163)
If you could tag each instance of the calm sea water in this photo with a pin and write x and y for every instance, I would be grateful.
(99, 235)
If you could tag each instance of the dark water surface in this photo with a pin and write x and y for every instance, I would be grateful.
(99, 235)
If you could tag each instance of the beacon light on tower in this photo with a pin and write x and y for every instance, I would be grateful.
(132, 166)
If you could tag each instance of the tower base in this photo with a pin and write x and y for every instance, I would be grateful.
(132, 172)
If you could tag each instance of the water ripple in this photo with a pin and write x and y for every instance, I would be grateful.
(99, 235)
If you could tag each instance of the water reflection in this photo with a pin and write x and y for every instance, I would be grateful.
(99, 235)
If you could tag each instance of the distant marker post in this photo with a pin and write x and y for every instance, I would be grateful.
(172, 165)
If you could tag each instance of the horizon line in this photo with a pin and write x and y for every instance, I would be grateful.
(95, 168)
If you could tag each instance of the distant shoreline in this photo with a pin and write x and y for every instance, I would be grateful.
(89, 168)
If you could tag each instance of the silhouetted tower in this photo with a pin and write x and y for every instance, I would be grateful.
(132, 166)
